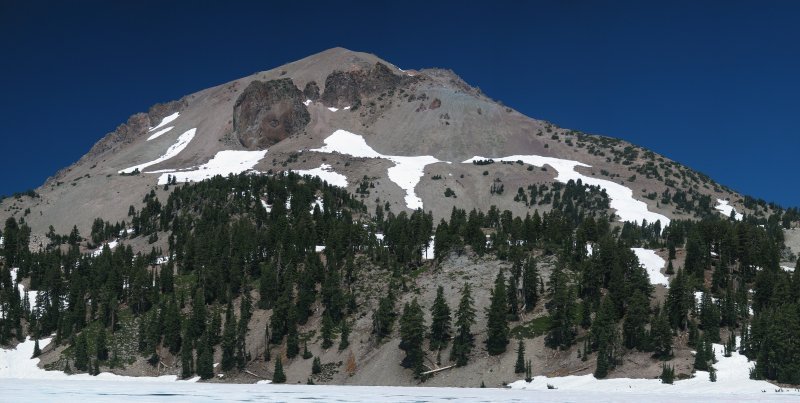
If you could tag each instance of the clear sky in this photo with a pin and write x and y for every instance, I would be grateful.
(712, 84)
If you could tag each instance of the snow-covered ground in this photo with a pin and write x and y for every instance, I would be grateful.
(725, 209)
(167, 120)
(172, 151)
(332, 109)
(159, 133)
(733, 384)
(653, 264)
(224, 163)
(621, 197)
(31, 293)
(17, 364)
(319, 248)
(787, 268)
(406, 172)
(326, 173)
(97, 252)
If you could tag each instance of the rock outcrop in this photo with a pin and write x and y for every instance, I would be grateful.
(268, 112)
(346, 88)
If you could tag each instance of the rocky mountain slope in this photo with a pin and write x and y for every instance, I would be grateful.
(270, 121)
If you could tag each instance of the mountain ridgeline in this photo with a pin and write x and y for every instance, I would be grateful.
(519, 263)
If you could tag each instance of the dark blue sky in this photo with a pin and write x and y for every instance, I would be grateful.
(713, 85)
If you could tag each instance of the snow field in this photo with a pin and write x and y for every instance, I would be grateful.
(326, 173)
(159, 133)
(172, 151)
(620, 197)
(167, 120)
(725, 209)
(406, 172)
(223, 163)
(97, 252)
(653, 264)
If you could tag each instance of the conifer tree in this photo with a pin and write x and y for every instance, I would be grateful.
(205, 359)
(412, 335)
(344, 338)
(679, 301)
(512, 300)
(667, 373)
(440, 321)
(562, 333)
(465, 318)
(101, 346)
(384, 317)
(497, 319)
(604, 338)
(633, 327)
(661, 336)
(709, 317)
(306, 354)
(530, 281)
(186, 361)
(36, 351)
(229, 340)
(316, 366)
(528, 372)
(519, 366)
(327, 331)
(278, 376)
(81, 353)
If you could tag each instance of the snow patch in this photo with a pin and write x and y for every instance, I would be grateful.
(724, 207)
(224, 163)
(319, 248)
(406, 172)
(733, 378)
(172, 151)
(326, 173)
(332, 109)
(167, 120)
(787, 268)
(32, 294)
(620, 197)
(653, 264)
(99, 251)
(159, 133)
(307, 102)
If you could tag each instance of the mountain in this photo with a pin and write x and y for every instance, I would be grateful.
(428, 112)
(339, 207)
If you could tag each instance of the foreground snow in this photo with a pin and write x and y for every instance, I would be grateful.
(17, 364)
(620, 197)
(326, 173)
(172, 151)
(406, 172)
(223, 163)
(724, 207)
(733, 382)
(653, 264)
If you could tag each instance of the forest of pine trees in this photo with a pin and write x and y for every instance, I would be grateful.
(228, 258)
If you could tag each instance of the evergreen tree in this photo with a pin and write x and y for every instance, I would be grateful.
(530, 279)
(205, 359)
(562, 311)
(528, 372)
(512, 300)
(101, 346)
(519, 366)
(306, 354)
(661, 336)
(700, 357)
(604, 338)
(36, 351)
(440, 321)
(344, 338)
(278, 376)
(667, 373)
(186, 361)
(497, 319)
(81, 353)
(465, 318)
(316, 366)
(709, 317)
(412, 335)
(229, 340)
(384, 317)
(679, 301)
(327, 331)
(633, 327)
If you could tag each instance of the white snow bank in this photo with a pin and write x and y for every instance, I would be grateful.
(406, 172)
(326, 173)
(589, 249)
(733, 378)
(172, 151)
(223, 163)
(17, 364)
(319, 248)
(167, 120)
(267, 207)
(32, 294)
(97, 252)
(332, 109)
(159, 133)
(787, 268)
(620, 197)
(307, 102)
(653, 264)
(725, 209)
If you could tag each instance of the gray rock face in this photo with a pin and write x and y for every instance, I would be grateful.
(268, 112)
(311, 91)
(346, 88)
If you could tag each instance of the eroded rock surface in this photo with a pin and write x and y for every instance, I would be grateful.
(268, 112)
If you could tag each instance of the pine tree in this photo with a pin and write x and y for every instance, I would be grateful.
(679, 301)
(412, 335)
(316, 366)
(327, 331)
(562, 314)
(497, 319)
(205, 359)
(661, 336)
(530, 280)
(667, 373)
(633, 327)
(730, 346)
(278, 376)
(440, 321)
(512, 300)
(700, 357)
(344, 338)
(604, 338)
(519, 366)
(101, 346)
(36, 351)
(465, 318)
(81, 353)
(186, 360)
(709, 317)
(229, 340)
(384, 317)
(528, 372)
(306, 354)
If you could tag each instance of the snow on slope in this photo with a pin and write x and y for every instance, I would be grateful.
(223, 163)
(621, 197)
(406, 172)
(172, 151)
(159, 133)
(99, 251)
(725, 209)
(17, 364)
(733, 379)
(653, 264)
(32, 294)
(167, 120)
(326, 173)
